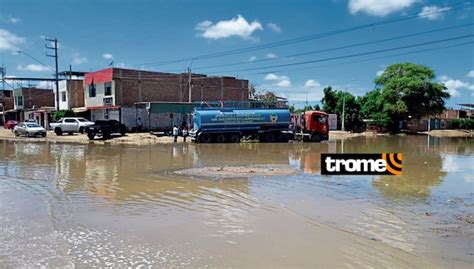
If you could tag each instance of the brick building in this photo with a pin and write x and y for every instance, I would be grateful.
(6, 104)
(71, 94)
(6, 99)
(71, 90)
(114, 92)
(33, 103)
(440, 121)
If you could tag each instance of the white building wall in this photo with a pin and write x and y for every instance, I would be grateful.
(98, 100)
(63, 105)
(152, 121)
(101, 114)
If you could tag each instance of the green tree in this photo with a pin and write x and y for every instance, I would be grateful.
(292, 109)
(372, 105)
(267, 96)
(334, 102)
(329, 100)
(252, 91)
(408, 90)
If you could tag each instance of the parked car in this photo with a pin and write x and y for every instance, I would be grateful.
(29, 129)
(10, 124)
(105, 128)
(70, 125)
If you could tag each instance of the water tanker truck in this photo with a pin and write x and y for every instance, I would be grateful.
(230, 125)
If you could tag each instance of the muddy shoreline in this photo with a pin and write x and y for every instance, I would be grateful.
(150, 139)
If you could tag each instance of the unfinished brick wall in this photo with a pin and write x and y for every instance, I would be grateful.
(37, 97)
(133, 86)
(76, 93)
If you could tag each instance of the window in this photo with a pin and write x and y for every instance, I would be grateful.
(70, 120)
(108, 88)
(92, 90)
(19, 100)
(63, 96)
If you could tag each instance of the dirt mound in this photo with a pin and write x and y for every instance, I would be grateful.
(238, 171)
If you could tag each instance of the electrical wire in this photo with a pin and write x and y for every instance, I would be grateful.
(338, 48)
(367, 60)
(351, 55)
(451, 8)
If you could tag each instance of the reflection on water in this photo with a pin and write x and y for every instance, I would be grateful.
(85, 192)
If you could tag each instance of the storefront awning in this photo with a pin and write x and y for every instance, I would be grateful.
(102, 107)
(79, 109)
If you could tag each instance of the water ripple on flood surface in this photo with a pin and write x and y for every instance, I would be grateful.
(91, 205)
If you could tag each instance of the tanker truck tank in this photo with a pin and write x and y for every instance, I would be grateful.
(231, 124)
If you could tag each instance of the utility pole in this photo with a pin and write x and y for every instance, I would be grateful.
(55, 56)
(3, 71)
(189, 85)
(343, 112)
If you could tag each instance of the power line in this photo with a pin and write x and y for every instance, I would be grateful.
(339, 48)
(38, 61)
(367, 60)
(304, 38)
(351, 55)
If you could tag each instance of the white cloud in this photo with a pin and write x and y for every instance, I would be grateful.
(271, 55)
(380, 72)
(378, 7)
(252, 58)
(33, 68)
(454, 85)
(280, 81)
(107, 56)
(9, 41)
(433, 12)
(13, 20)
(471, 74)
(274, 27)
(237, 26)
(311, 83)
(78, 59)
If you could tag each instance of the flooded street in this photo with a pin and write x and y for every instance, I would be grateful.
(104, 205)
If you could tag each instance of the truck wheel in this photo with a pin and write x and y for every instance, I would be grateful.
(283, 138)
(205, 138)
(221, 138)
(270, 137)
(315, 138)
(81, 130)
(91, 136)
(106, 134)
(235, 138)
(58, 131)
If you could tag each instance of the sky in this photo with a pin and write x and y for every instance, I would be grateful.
(170, 36)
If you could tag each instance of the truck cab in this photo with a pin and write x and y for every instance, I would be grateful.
(313, 126)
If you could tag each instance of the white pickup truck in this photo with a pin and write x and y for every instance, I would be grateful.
(70, 125)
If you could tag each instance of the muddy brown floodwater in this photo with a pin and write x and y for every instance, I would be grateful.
(110, 205)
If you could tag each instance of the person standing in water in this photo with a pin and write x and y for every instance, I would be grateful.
(175, 133)
(185, 133)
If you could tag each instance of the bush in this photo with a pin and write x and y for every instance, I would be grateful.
(462, 124)
(63, 113)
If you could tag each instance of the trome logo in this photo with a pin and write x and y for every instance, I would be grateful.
(362, 164)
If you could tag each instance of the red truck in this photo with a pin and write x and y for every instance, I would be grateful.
(310, 126)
